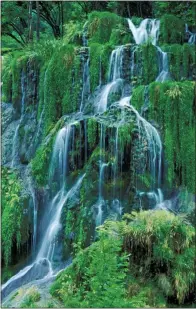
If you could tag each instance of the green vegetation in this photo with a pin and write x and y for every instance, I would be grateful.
(117, 270)
(40, 163)
(171, 29)
(147, 65)
(177, 127)
(181, 61)
(32, 297)
(100, 26)
(12, 213)
(137, 99)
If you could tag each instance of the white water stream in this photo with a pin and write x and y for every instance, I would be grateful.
(42, 266)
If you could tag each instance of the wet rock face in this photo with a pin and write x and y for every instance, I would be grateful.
(126, 68)
(27, 136)
(8, 115)
(32, 82)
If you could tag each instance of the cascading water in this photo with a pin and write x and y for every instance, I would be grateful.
(115, 66)
(192, 36)
(100, 203)
(163, 66)
(114, 79)
(147, 30)
(86, 83)
(34, 200)
(42, 266)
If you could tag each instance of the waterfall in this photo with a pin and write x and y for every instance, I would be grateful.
(15, 144)
(163, 66)
(116, 159)
(115, 65)
(84, 35)
(192, 36)
(102, 165)
(86, 83)
(42, 266)
(102, 100)
(114, 79)
(34, 200)
(147, 30)
(58, 166)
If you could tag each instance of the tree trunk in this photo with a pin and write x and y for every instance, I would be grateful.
(128, 10)
(30, 22)
(38, 21)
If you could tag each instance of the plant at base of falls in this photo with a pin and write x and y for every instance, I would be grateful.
(159, 248)
(12, 213)
(96, 277)
(31, 297)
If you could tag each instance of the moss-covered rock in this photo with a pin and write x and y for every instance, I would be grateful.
(172, 29)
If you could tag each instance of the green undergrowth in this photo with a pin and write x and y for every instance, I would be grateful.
(137, 99)
(101, 25)
(13, 227)
(99, 58)
(172, 106)
(32, 297)
(181, 61)
(145, 260)
(146, 61)
(40, 163)
(172, 29)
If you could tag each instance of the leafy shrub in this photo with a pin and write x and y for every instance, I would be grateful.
(159, 248)
(12, 212)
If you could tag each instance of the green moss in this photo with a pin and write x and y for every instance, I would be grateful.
(177, 128)
(100, 26)
(171, 29)
(125, 135)
(95, 54)
(172, 106)
(149, 63)
(41, 161)
(99, 54)
(92, 132)
(146, 62)
(181, 60)
(137, 98)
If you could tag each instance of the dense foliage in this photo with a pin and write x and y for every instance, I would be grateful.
(144, 260)
(13, 207)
